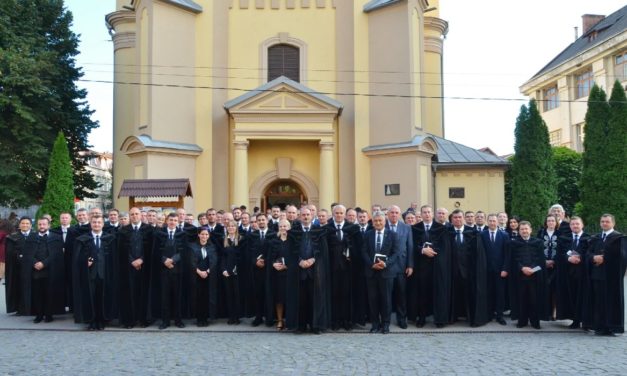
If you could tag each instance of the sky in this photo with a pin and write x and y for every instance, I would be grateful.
(491, 49)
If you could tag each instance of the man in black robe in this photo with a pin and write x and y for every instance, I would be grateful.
(606, 261)
(380, 253)
(169, 248)
(570, 268)
(69, 234)
(135, 250)
(14, 245)
(341, 238)
(469, 293)
(308, 301)
(95, 276)
(42, 276)
(528, 278)
(258, 254)
(430, 286)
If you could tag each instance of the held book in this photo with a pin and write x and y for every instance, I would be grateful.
(380, 257)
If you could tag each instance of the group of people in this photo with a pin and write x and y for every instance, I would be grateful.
(305, 270)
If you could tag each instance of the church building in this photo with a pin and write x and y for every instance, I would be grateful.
(262, 102)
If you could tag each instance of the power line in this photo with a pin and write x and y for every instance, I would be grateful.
(402, 96)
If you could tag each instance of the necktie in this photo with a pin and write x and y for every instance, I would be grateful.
(171, 235)
(98, 241)
(262, 235)
(306, 229)
(576, 242)
(204, 253)
(378, 245)
(603, 236)
(339, 232)
(64, 234)
(458, 237)
(363, 230)
(394, 228)
(427, 232)
(492, 236)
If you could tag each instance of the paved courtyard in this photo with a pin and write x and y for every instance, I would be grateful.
(64, 348)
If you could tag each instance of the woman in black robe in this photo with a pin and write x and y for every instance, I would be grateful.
(234, 248)
(276, 288)
(205, 269)
(549, 234)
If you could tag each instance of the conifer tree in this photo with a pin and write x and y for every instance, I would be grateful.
(533, 176)
(59, 196)
(614, 150)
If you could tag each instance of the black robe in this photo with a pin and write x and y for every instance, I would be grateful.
(518, 247)
(13, 284)
(134, 284)
(68, 245)
(429, 289)
(205, 290)
(84, 282)
(276, 281)
(258, 250)
(604, 307)
(49, 251)
(321, 317)
(570, 277)
(469, 262)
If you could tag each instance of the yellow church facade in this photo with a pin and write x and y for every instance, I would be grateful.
(262, 102)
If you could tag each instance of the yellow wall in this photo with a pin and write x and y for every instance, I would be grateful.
(262, 155)
(484, 189)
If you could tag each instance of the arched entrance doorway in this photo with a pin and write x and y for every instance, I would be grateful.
(283, 192)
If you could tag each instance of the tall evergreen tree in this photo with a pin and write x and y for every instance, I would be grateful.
(567, 164)
(39, 98)
(59, 196)
(616, 174)
(595, 159)
(533, 176)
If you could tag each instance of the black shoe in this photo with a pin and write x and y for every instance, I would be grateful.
(375, 329)
(536, 325)
(439, 326)
(420, 323)
(100, 326)
(164, 325)
(91, 327)
(179, 324)
(501, 321)
(520, 325)
(48, 319)
(606, 333)
(385, 329)
(257, 321)
(315, 331)
(402, 324)
(144, 324)
(38, 319)
(574, 325)
(236, 322)
(335, 327)
(348, 326)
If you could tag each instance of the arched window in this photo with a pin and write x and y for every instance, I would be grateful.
(284, 60)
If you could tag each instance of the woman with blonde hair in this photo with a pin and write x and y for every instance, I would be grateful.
(234, 247)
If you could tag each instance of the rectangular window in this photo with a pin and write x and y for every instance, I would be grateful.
(551, 98)
(579, 135)
(620, 66)
(584, 83)
(555, 137)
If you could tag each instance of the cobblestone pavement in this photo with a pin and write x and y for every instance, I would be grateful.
(64, 348)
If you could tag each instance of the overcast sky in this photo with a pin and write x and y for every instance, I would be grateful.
(492, 47)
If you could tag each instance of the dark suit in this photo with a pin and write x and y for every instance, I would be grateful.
(380, 282)
(171, 279)
(68, 235)
(498, 260)
(570, 277)
(258, 250)
(341, 248)
(405, 260)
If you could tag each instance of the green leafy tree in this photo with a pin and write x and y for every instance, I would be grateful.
(567, 164)
(533, 176)
(595, 161)
(59, 196)
(39, 98)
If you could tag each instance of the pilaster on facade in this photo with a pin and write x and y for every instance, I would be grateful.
(435, 31)
(121, 26)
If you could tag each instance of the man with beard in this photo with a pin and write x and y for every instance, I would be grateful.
(430, 291)
(135, 250)
(606, 260)
(571, 252)
(95, 276)
(308, 300)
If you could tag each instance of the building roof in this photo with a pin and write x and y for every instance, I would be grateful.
(376, 4)
(155, 188)
(417, 141)
(454, 154)
(185, 4)
(607, 28)
(270, 86)
(148, 142)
